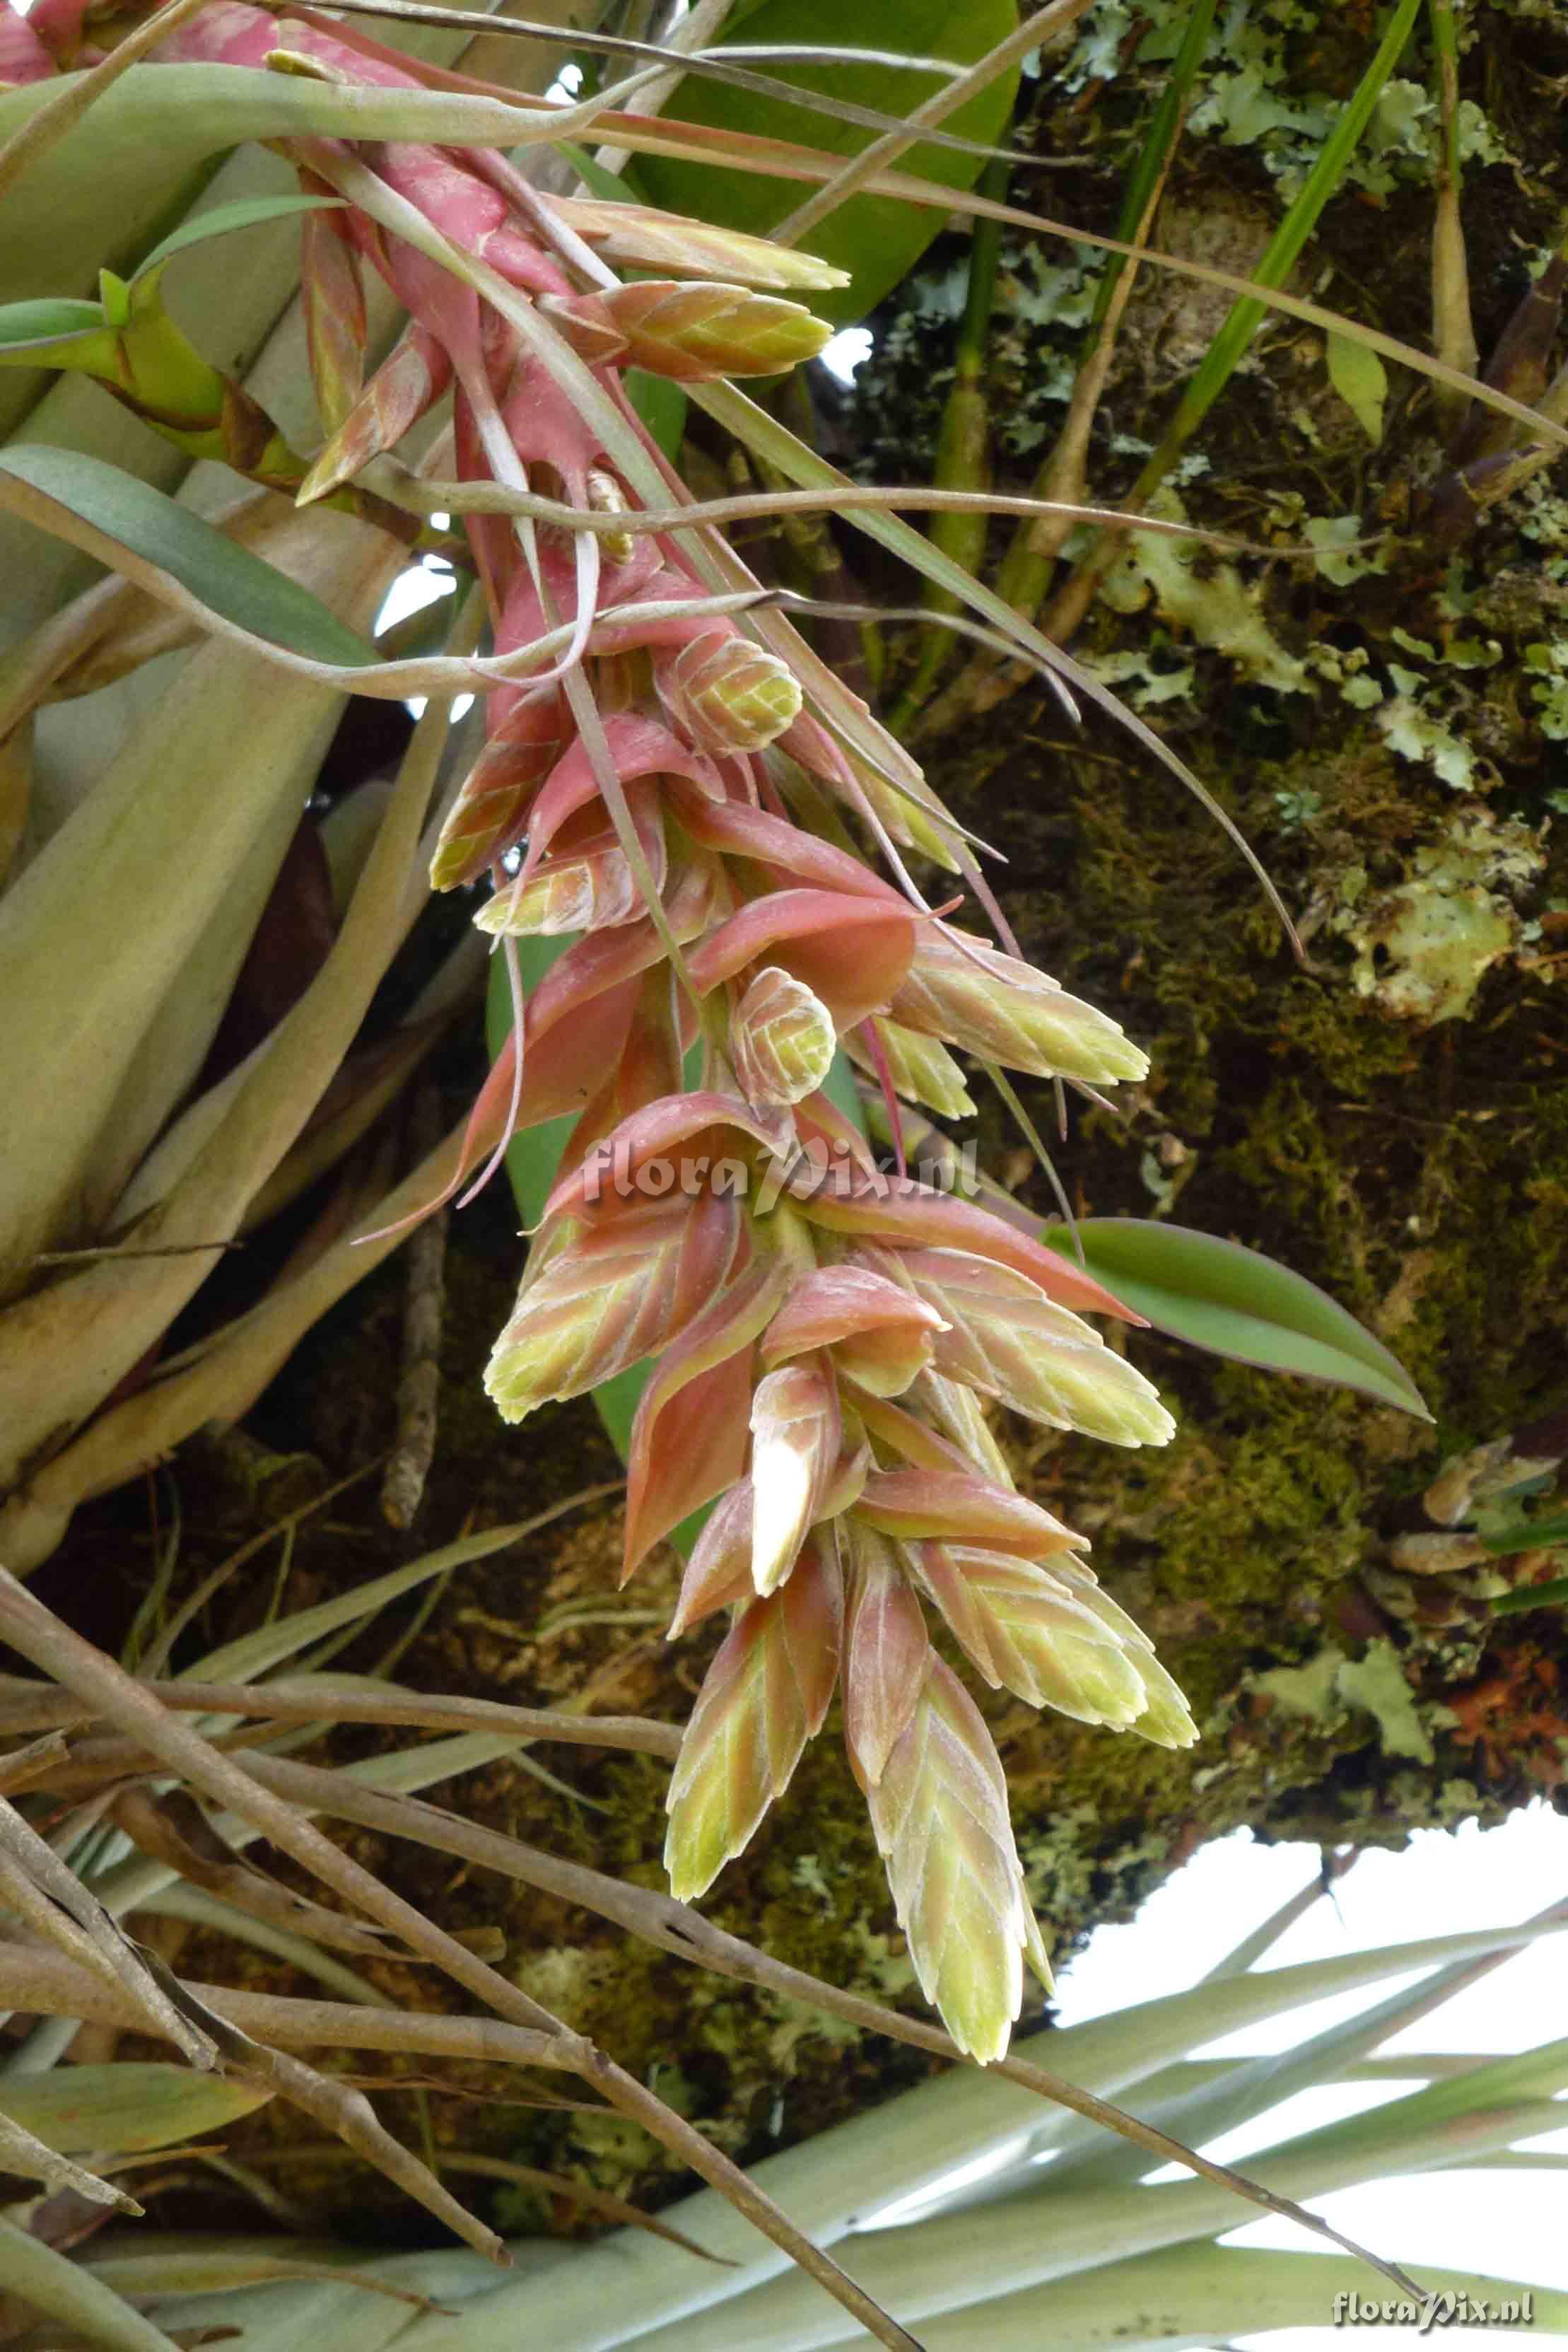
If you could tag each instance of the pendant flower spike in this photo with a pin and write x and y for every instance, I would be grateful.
(822, 1334)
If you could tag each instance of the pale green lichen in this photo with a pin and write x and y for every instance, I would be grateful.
(1423, 947)
(1549, 689)
(1247, 94)
(1417, 732)
(1205, 600)
(1331, 1686)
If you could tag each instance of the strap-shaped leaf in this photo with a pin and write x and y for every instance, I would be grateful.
(1236, 1302)
(223, 575)
(223, 219)
(876, 238)
(49, 320)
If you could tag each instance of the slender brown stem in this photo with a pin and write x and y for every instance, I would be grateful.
(675, 1927)
(37, 1634)
(43, 1984)
(33, 1707)
(35, 1885)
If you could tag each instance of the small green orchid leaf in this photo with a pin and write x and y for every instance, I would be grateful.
(1361, 379)
(877, 240)
(1236, 1302)
(224, 576)
(30, 329)
(225, 219)
(126, 2107)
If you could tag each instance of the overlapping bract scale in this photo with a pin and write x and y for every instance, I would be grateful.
(939, 1812)
(611, 1296)
(973, 995)
(765, 1695)
(1009, 1341)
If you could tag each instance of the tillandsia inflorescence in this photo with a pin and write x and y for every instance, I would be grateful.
(683, 790)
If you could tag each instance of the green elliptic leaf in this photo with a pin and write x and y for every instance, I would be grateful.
(223, 219)
(876, 238)
(125, 2108)
(1360, 381)
(228, 579)
(1237, 1302)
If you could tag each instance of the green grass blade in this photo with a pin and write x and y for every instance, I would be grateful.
(62, 2291)
(257, 1653)
(225, 219)
(1284, 248)
(224, 576)
(24, 324)
(1154, 154)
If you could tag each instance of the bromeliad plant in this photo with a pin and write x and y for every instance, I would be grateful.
(823, 1330)
(671, 777)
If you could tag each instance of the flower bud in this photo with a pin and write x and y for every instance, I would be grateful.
(640, 239)
(491, 810)
(726, 694)
(409, 381)
(765, 1695)
(718, 1573)
(885, 1652)
(333, 299)
(995, 1007)
(1005, 1339)
(783, 1040)
(610, 1297)
(878, 1331)
(1165, 1718)
(691, 334)
(1026, 1631)
(590, 888)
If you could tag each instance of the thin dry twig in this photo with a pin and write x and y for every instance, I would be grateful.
(343, 2110)
(417, 494)
(36, 1884)
(20, 2152)
(36, 1633)
(419, 1383)
(172, 1829)
(33, 1706)
(675, 1927)
(20, 1767)
(44, 1985)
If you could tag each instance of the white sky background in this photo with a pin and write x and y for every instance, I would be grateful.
(1510, 2224)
